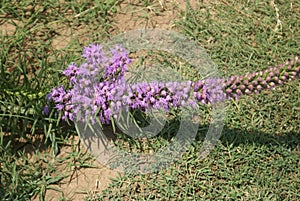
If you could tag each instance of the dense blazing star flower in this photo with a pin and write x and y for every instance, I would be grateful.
(62, 100)
(98, 88)
(71, 72)
(94, 54)
(116, 66)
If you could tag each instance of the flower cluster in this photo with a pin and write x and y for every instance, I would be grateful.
(158, 95)
(92, 84)
(62, 99)
(98, 88)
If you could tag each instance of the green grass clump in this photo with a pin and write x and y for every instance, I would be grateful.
(22, 178)
(243, 36)
(245, 170)
(37, 41)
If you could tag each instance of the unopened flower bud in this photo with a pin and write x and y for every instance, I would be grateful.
(246, 82)
(264, 83)
(259, 87)
(254, 82)
(259, 79)
(247, 91)
(283, 78)
(272, 84)
(228, 91)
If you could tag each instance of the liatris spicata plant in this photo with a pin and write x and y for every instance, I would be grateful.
(98, 87)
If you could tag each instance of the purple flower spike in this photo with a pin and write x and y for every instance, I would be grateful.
(98, 89)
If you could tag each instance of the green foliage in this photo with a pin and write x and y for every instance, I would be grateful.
(37, 40)
(243, 36)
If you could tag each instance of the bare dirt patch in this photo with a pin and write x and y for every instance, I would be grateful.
(79, 182)
(7, 28)
(159, 14)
